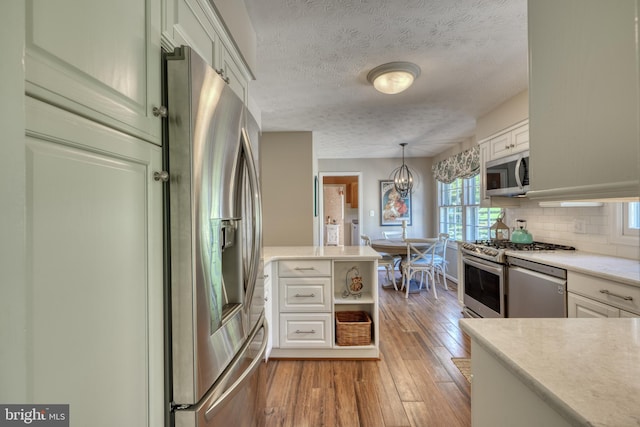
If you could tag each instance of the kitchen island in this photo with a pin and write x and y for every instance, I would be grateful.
(555, 372)
(323, 301)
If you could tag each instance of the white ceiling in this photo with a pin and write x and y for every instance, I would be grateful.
(314, 55)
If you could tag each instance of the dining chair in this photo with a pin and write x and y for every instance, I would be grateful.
(420, 259)
(440, 258)
(392, 234)
(387, 261)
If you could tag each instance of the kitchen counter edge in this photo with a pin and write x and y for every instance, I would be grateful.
(275, 253)
(564, 378)
(621, 270)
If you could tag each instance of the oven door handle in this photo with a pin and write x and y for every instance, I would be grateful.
(493, 268)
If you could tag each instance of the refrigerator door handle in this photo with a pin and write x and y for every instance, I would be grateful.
(256, 198)
(216, 406)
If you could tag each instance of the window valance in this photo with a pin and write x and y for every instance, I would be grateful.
(462, 165)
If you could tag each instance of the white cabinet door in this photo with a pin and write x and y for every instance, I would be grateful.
(95, 299)
(268, 307)
(500, 146)
(513, 141)
(100, 59)
(520, 139)
(581, 307)
(583, 99)
(195, 23)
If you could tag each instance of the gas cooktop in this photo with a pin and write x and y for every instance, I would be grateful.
(494, 250)
(534, 246)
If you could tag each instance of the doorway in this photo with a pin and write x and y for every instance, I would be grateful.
(340, 211)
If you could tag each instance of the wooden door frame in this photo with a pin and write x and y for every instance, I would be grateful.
(321, 176)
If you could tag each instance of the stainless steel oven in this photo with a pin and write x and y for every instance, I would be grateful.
(484, 287)
(493, 289)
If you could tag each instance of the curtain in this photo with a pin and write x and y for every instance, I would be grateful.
(462, 165)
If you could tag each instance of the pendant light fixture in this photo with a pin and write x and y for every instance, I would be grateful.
(393, 77)
(402, 178)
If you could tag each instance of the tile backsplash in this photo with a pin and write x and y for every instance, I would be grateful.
(587, 229)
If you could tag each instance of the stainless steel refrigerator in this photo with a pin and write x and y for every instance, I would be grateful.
(216, 333)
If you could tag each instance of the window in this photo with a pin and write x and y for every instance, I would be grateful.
(631, 219)
(625, 223)
(460, 214)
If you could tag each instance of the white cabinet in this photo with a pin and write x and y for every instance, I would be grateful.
(304, 303)
(581, 307)
(590, 296)
(98, 59)
(95, 298)
(195, 23)
(310, 292)
(510, 142)
(583, 99)
(268, 306)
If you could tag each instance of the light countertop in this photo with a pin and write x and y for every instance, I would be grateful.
(612, 268)
(588, 370)
(275, 253)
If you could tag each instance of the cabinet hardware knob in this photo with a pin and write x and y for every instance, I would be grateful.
(160, 111)
(161, 176)
(611, 294)
(221, 74)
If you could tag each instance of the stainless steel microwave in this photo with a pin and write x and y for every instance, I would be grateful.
(508, 176)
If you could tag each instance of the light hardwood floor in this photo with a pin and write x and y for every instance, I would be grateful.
(414, 383)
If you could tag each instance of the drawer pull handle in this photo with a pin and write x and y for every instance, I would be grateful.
(305, 296)
(304, 268)
(606, 292)
(298, 331)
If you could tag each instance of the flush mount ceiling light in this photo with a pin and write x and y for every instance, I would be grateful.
(402, 177)
(393, 77)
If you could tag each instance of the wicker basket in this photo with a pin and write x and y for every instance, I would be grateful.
(353, 328)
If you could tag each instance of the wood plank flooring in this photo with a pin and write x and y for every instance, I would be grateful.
(414, 383)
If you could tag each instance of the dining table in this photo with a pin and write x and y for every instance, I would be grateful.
(397, 247)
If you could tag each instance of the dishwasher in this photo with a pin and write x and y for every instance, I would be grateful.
(535, 290)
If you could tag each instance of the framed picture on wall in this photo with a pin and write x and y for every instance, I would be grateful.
(393, 208)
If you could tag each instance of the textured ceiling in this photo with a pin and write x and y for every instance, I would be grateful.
(314, 55)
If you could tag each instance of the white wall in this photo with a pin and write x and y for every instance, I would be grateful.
(556, 225)
(287, 188)
(423, 200)
(510, 112)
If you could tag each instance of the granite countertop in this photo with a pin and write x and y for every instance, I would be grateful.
(608, 267)
(275, 253)
(588, 370)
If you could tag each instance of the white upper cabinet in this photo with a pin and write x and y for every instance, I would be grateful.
(194, 23)
(583, 99)
(514, 140)
(99, 59)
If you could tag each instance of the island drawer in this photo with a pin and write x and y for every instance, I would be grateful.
(302, 268)
(305, 330)
(305, 294)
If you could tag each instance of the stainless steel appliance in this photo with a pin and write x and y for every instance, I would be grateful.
(508, 176)
(536, 290)
(487, 281)
(216, 332)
